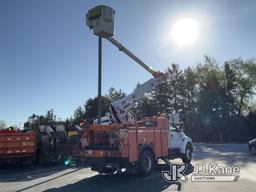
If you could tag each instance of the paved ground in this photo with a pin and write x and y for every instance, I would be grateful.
(58, 179)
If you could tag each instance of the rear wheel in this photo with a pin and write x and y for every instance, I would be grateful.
(146, 163)
(253, 150)
(188, 154)
(26, 162)
(107, 171)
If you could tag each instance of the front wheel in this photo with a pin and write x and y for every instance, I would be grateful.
(146, 163)
(188, 154)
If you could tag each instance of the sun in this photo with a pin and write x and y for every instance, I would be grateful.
(185, 31)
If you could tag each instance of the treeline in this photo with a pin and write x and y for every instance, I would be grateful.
(216, 102)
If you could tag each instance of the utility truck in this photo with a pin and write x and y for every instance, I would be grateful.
(122, 141)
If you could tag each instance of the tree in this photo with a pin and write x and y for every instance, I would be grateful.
(114, 94)
(146, 107)
(230, 89)
(175, 88)
(230, 79)
(160, 96)
(190, 82)
(91, 108)
(2, 124)
(168, 96)
(211, 104)
(79, 115)
(50, 115)
(189, 113)
(245, 79)
(91, 105)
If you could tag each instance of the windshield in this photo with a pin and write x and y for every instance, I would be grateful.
(172, 127)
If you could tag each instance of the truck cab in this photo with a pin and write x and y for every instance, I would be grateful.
(180, 145)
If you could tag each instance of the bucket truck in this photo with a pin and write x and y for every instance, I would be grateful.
(124, 142)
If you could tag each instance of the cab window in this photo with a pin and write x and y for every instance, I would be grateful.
(172, 127)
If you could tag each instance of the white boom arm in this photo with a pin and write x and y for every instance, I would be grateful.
(131, 55)
(120, 108)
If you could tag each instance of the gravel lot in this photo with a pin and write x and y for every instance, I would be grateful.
(58, 178)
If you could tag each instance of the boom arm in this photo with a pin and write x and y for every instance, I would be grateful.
(131, 55)
(120, 108)
(101, 20)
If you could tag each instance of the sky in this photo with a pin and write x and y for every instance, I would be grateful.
(48, 56)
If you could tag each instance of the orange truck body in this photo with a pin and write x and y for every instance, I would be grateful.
(17, 145)
(121, 146)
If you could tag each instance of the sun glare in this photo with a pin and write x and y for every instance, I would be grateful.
(185, 31)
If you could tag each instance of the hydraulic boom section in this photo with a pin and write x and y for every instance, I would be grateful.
(131, 55)
(120, 109)
(101, 20)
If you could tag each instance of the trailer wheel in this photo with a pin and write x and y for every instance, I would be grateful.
(26, 162)
(146, 163)
(188, 154)
(43, 159)
(38, 157)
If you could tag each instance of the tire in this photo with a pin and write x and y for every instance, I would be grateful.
(43, 160)
(146, 163)
(253, 150)
(107, 172)
(38, 157)
(188, 154)
(26, 162)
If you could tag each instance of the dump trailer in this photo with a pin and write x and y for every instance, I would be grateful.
(109, 148)
(17, 147)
